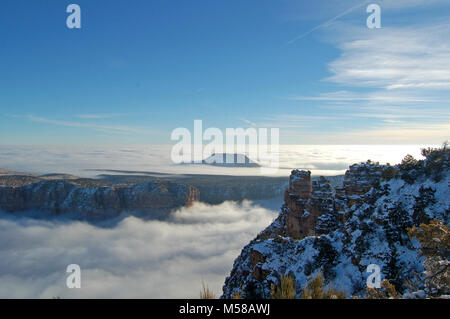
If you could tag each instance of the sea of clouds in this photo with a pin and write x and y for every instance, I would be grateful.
(134, 258)
(88, 161)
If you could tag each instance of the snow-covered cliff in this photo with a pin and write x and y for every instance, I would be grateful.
(340, 231)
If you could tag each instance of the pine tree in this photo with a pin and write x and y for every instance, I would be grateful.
(435, 240)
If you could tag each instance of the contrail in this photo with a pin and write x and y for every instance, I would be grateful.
(327, 22)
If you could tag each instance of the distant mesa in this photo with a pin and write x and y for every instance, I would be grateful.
(57, 176)
(230, 160)
(3, 171)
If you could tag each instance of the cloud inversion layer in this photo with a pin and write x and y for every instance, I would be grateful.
(134, 259)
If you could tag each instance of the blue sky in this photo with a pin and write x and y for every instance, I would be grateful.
(138, 69)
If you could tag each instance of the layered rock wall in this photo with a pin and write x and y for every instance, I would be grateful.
(62, 196)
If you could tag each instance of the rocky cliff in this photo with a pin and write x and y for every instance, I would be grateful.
(92, 199)
(340, 231)
(111, 195)
(215, 189)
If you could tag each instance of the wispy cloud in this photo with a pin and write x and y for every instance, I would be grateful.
(347, 96)
(395, 58)
(396, 133)
(97, 127)
(402, 4)
(98, 116)
(392, 86)
(295, 123)
(386, 132)
(328, 22)
(248, 122)
(385, 4)
(363, 125)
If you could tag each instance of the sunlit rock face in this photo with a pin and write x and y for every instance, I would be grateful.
(340, 231)
(360, 178)
(305, 201)
(300, 184)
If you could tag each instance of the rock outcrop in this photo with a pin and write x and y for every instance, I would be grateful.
(305, 201)
(340, 231)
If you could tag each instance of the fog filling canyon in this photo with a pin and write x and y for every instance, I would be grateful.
(131, 259)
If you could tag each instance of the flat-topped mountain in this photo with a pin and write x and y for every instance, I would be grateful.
(230, 160)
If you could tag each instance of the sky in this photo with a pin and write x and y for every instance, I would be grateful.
(136, 70)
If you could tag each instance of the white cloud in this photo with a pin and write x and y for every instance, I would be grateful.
(395, 79)
(394, 58)
(379, 96)
(135, 258)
